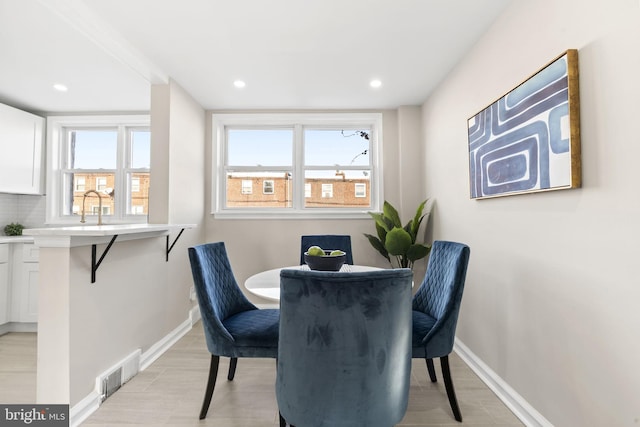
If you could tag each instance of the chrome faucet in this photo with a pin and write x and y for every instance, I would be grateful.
(84, 196)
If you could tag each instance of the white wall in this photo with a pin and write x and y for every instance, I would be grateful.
(552, 290)
(257, 245)
(177, 194)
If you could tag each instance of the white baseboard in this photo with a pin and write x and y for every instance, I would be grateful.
(83, 409)
(18, 327)
(516, 403)
(194, 314)
(156, 350)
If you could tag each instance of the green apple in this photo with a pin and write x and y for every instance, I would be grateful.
(336, 253)
(315, 251)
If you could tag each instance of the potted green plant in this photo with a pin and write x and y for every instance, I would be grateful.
(13, 229)
(395, 241)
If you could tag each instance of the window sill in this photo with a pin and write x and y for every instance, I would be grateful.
(291, 215)
(93, 220)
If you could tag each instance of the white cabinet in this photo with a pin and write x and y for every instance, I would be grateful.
(4, 283)
(21, 151)
(24, 284)
(18, 287)
(28, 312)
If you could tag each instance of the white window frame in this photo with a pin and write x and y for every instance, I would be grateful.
(307, 190)
(219, 122)
(56, 150)
(94, 209)
(135, 187)
(271, 183)
(101, 183)
(80, 184)
(327, 191)
(360, 189)
(246, 186)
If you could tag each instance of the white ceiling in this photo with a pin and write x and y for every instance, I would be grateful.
(293, 54)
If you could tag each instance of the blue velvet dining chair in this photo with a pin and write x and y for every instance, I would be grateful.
(327, 241)
(233, 326)
(436, 305)
(344, 356)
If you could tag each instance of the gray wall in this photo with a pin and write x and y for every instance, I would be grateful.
(552, 290)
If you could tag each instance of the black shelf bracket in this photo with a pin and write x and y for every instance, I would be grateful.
(172, 244)
(94, 264)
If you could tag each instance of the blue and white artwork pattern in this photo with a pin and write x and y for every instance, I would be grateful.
(521, 142)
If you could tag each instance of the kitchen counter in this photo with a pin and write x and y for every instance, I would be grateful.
(103, 230)
(71, 236)
(104, 295)
(16, 239)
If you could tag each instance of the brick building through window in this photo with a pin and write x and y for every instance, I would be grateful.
(345, 192)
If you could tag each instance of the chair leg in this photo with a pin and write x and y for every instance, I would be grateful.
(448, 385)
(432, 371)
(211, 384)
(232, 368)
(283, 423)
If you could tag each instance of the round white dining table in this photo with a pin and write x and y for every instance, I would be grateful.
(266, 284)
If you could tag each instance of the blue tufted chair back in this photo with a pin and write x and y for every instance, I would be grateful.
(327, 241)
(440, 295)
(344, 356)
(218, 294)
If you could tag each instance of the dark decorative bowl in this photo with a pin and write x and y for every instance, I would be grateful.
(326, 262)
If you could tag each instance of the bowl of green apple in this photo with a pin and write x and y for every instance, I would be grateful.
(324, 260)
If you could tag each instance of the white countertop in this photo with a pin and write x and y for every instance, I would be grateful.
(82, 235)
(102, 230)
(16, 239)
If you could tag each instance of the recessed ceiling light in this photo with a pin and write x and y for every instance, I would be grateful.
(375, 83)
(60, 87)
(239, 84)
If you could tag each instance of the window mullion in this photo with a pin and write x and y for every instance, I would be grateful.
(122, 163)
(298, 164)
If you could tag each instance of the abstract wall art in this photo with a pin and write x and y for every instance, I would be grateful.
(529, 140)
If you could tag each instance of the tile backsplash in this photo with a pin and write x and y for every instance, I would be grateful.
(27, 210)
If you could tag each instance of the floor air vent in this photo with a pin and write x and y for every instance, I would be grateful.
(111, 383)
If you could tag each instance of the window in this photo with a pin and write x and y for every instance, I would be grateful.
(267, 186)
(309, 165)
(327, 191)
(101, 183)
(247, 186)
(107, 154)
(96, 208)
(80, 183)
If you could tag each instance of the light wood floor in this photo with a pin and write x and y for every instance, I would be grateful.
(170, 392)
(18, 367)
